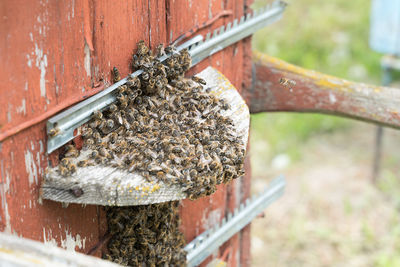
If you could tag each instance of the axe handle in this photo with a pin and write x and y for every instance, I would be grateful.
(319, 93)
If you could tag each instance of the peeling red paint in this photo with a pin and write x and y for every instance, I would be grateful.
(53, 52)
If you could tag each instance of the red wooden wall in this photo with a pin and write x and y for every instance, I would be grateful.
(53, 53)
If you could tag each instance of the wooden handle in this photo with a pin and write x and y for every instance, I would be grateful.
(321, 93)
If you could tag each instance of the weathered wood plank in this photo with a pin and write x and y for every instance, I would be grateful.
(42, 66)
(117, 29)
(16, 251)
(321, 93)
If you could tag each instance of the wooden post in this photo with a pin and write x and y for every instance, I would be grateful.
(316, 92)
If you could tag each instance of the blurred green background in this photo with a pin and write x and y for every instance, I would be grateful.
(345, 221)
(327, 36)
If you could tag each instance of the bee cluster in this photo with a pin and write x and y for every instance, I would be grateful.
(166, 128)
(147, 234)
(170, 130)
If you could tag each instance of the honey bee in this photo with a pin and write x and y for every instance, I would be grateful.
(110, 123)
(84, 163)
(160, 50)
(122, 89)
(112, 137)
(72, 151)
(97, 114)
(113, 108)
(71, 168)
(199, 80)
(89, 141)
(289, 84)
(145, 76)
(116, 75)
(123, 101)
(133, 82)
(105, 153)
(87, 132)
(63, 170)
(55, 131)
(65, 162)
(142, 49)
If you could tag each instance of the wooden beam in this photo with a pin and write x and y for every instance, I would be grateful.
(18, 251)
(320, 93)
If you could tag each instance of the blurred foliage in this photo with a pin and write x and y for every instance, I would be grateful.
(327, 36)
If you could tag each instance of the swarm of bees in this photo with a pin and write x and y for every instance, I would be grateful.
(146, 235)
(166, 128)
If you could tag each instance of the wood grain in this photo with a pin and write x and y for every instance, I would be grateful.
(320, 93)
(55, 51)
(16, 251)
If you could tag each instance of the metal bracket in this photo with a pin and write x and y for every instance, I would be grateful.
(66, 122)
(207, 242)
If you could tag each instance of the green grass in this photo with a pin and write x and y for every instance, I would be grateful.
(327, 36)
(285, 132)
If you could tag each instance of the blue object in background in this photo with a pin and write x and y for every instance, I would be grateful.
(385, 26)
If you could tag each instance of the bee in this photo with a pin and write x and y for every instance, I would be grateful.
(193, 173)
(116, 75)
(110, 123)
(123, 101)
(89, 141)
(97, 114)
(160, 51)
(113, 108)
(87, 132)
(97, 136)
(55, 131)
(84, 163)
(95, 123)
(112, 137)
(142, 49)
(133, 82)
(63, 170)
(104, 153)
(145, 76)
(72, 151)
(226, 106)
(170, 49)
(101, 160)
(122, 89)
(71, 168)
(199, 80)
(287, 83)
(65, 162)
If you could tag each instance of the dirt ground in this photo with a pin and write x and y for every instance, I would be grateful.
(331, 214)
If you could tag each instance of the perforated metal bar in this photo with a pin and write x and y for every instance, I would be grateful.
(206, 243)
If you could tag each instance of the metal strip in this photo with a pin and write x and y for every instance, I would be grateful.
(207, 242)
(236, 31)
(199, 49)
